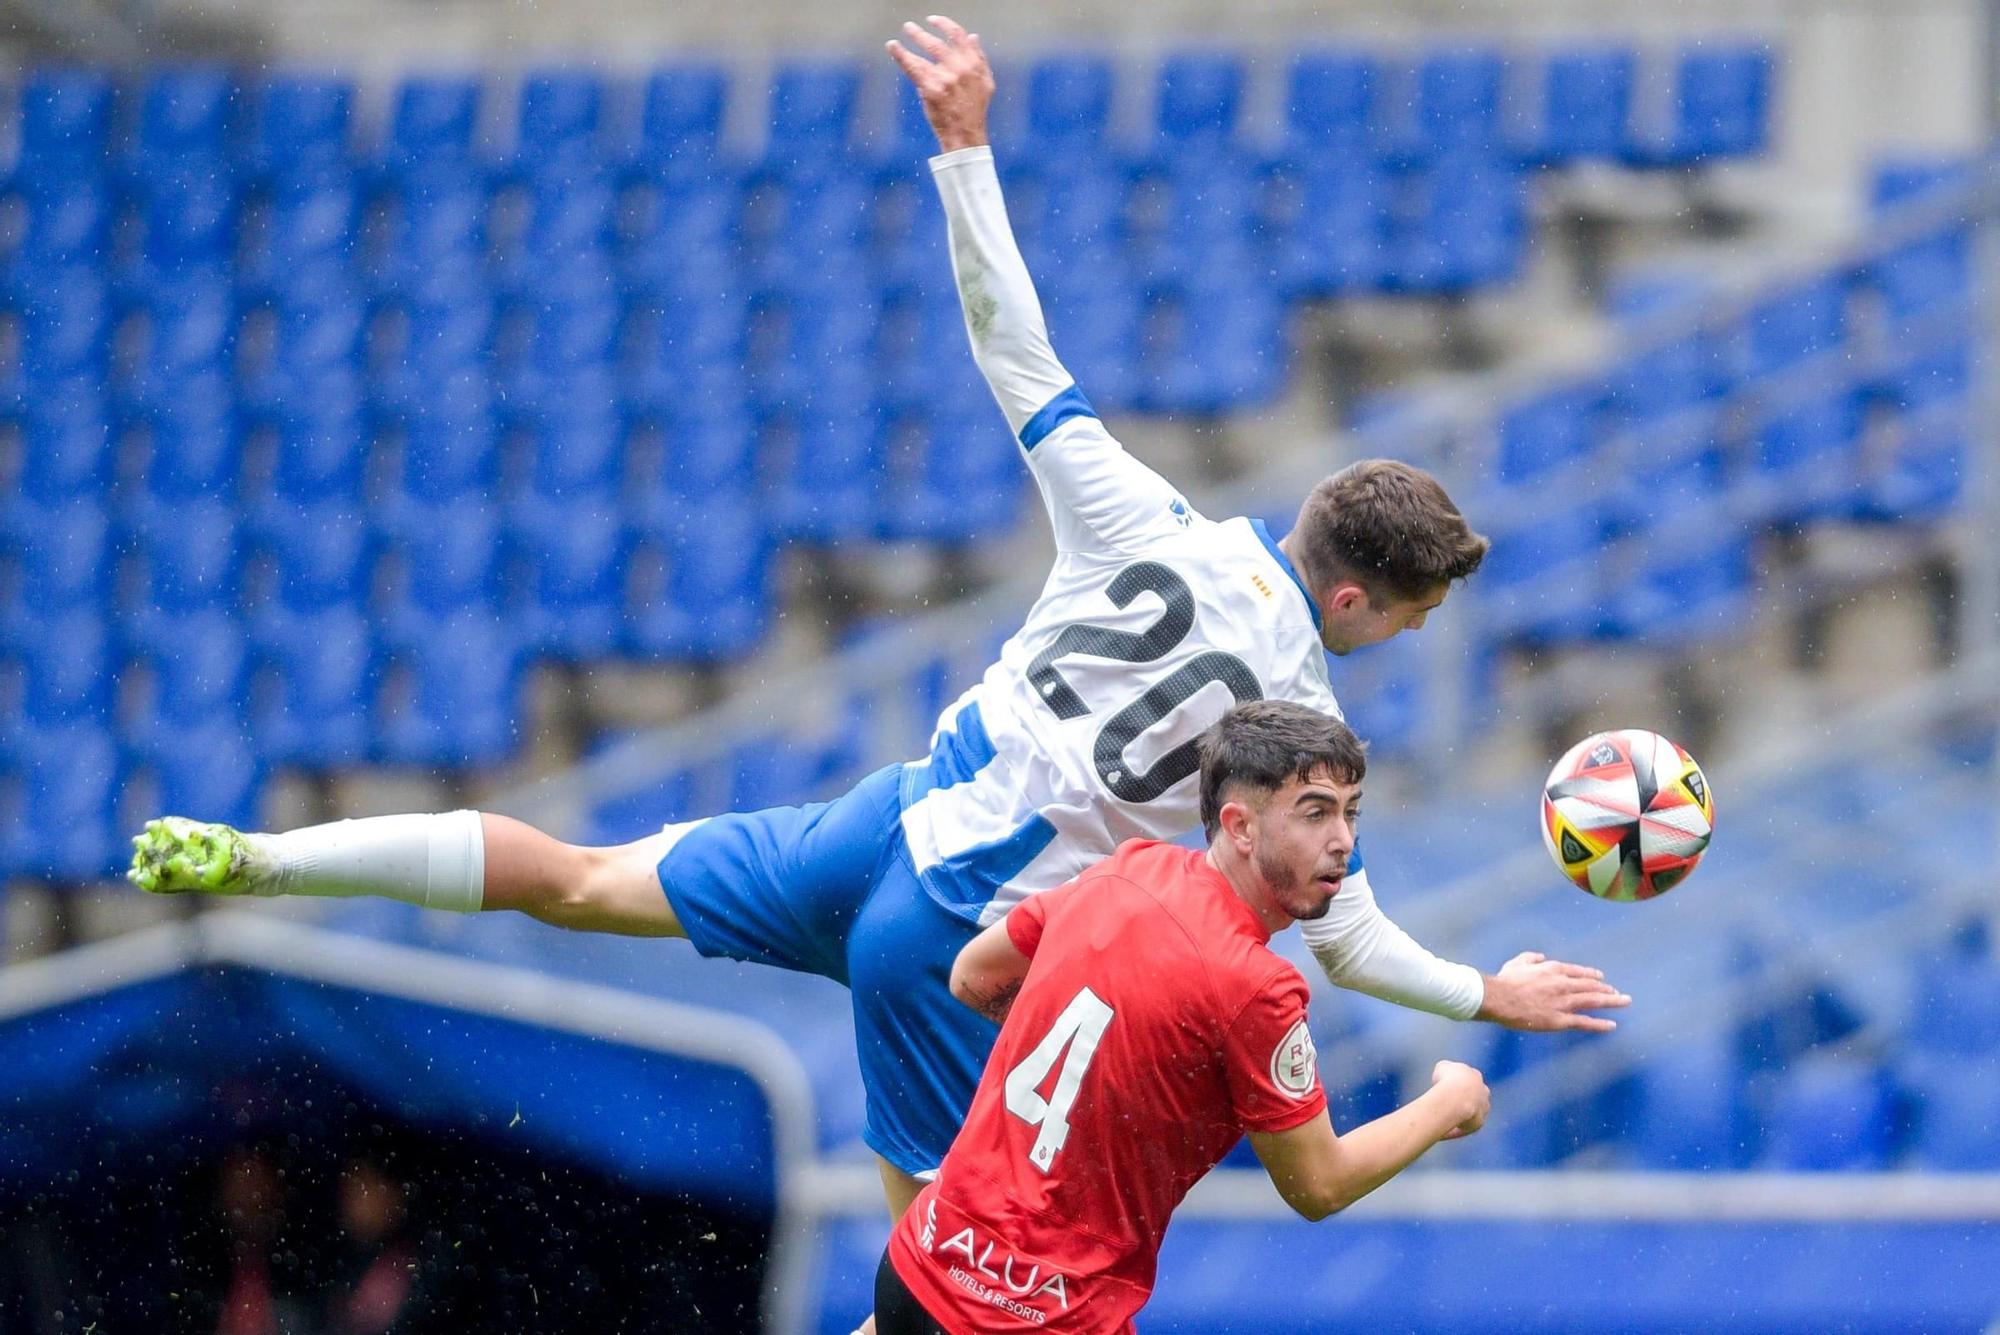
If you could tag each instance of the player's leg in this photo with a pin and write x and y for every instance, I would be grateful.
(460, 860)
(922, 1050)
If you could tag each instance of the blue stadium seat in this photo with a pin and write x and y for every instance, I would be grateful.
(434, 124)
(453, 699)
(65, 446)
(812, 341)
(64, 333)
(701, 592)
(680, 118)
(307, 237)
(1924, 276)
(1458, 103)
(569, 356)
(447, 560)
(1210, 344)
(918, 323)
(569, 232)
(828, 466)
(194, 449)
(560, 118)
(576, 456)
(1067, 215)
(1669, 377)
(187, 227)
(187, 117)
(197, 666)
(1096, 317)
(572, 560)
(677, 232)
(960, 478)
(1541, 581)
(325, 557)
(61, 557)
(1331, 103)
(451, 446)
(311, 696)
(1805, 453)
(1833, 1114)
(1186, 217)
(818, 230)
(190, 560)
(707, 450)
(687, 347)
(438, 227)
(810, 122)
(439, 335)
(624, 817)
(1069, 106)
(1462, 223)
(72, 829)
(1586, 105)
(69, 670)
(65, 119)
(1955, 1007)
(1955, 1127)
(1721, 109)
(302, 126)
(1793, 326)
(1557, 427)
(1332, 233)
(65, 224)
(1200, 100)
(215, 773)
(189, 334)
(1923, 473)
(1688, 1113)
(1899, 180)
(308, 346)
(319, 455)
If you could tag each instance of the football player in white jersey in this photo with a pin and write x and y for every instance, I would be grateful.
(1153, 621)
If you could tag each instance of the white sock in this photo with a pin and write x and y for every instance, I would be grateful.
(437, 862)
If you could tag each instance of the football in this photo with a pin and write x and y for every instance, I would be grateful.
(1627, 814)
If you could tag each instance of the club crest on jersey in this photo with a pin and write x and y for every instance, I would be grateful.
(1179, 510)
(1026, 1280)
(1295, 1063)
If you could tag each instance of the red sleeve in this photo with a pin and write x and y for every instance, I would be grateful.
(1027, 919)
(1268, 1055)
(1025, 922)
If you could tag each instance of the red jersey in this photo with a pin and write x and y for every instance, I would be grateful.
(1154, 1028)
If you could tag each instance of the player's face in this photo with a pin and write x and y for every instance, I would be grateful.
(1351, 619)
(1303, 837)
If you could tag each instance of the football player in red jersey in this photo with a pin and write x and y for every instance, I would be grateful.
(1147, 1026)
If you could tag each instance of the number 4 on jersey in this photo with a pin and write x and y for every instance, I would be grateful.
(1078, 1029)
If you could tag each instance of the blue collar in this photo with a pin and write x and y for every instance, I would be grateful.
(1284, 564)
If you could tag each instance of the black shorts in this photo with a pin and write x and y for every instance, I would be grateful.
(897, 1311)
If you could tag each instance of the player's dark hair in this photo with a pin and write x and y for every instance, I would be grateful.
(1388, 527)
(1266, 743)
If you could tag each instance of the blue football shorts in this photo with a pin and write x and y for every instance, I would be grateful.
(830, 889)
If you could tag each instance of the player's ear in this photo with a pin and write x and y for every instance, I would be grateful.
(1235, 818)
(1346, 596)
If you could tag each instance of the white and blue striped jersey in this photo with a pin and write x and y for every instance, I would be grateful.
(1154, 620)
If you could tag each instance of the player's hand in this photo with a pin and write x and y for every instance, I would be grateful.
(1542, 995)
(953, 80)
(1466, 1085)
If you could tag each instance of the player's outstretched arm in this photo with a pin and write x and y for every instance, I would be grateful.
(987, 974)
(1003, 316)
(1319, 1172)
(1542, 995)
(1361, 949)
